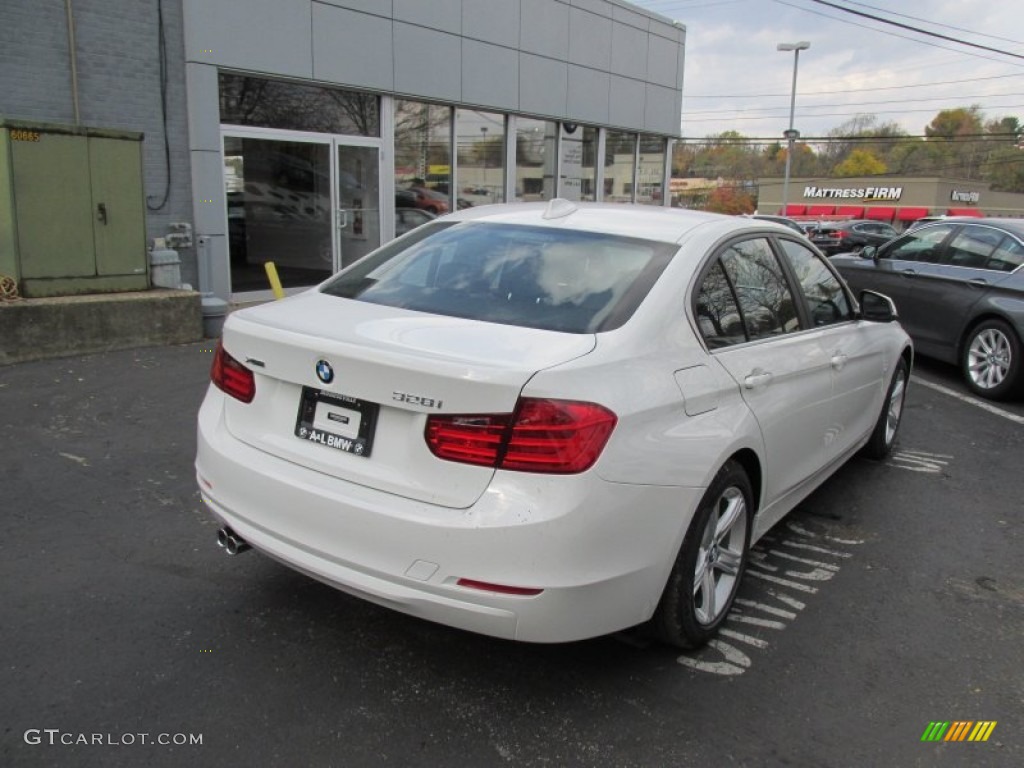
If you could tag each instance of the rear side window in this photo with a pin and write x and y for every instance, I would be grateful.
(535, 277)
(972, 247)
(1007, 257)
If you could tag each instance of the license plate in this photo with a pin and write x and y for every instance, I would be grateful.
(336, 421)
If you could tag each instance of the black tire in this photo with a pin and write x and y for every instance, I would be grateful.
(688, 620)
(883, 437)
(991, 360)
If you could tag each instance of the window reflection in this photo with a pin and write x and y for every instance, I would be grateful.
(718, 315)
(619, 166)
(651, 170)
(480, 144)
(578, 174)
(423, 163)
(290, 106)
(535, 159)
(761, 289)
(824, 296)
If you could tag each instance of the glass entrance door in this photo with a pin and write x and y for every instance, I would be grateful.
(279, 209)
(358, 211)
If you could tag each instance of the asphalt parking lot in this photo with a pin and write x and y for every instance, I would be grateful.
(891, 599)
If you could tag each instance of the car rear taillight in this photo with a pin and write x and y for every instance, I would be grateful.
(231, 377)
(547, 436)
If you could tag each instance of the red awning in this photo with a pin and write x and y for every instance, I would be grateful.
(793, 210)
(964, 212)
(879, 214)
(911, 214)
(820, 210)
(850, 210)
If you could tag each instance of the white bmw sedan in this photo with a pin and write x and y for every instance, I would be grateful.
(548, 422)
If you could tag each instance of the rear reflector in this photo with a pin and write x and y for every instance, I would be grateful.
(501, 588)
(231, 376)
(546, 436)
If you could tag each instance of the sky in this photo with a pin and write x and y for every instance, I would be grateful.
(736, 80)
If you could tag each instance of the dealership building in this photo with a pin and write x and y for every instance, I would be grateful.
(308, 132)
(894, 200)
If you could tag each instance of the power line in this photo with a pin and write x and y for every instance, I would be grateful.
(850, 104)
(918, 30)
(934, 23)
(853, 90)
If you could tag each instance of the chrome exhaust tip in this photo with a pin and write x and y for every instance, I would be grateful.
(231, 542)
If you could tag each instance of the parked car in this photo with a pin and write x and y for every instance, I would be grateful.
(959, 287)
(407, 219)
(787, 222)
(421, 197)
(849, 236)
(548, 422)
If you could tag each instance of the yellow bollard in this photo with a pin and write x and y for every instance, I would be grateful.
(275, 281)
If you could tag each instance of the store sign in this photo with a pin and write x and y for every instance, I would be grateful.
(958, 196)
(864, 194)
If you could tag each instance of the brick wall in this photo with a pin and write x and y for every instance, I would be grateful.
(118, 84)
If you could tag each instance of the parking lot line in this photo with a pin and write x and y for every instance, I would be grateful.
(968, 399)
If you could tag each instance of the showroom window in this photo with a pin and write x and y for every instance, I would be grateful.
(536, 153)
(619, 166)
(423, 160)
(266, 103)
(651, 170)
(480, 148)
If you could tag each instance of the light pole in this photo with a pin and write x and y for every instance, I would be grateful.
(791, 134)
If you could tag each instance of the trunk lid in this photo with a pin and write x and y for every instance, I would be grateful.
(391, 369)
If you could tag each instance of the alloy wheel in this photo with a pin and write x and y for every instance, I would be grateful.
(720, 556)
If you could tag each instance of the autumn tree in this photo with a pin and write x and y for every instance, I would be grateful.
(730, 200)
(860, 162)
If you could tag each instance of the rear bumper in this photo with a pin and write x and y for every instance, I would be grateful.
(600, 551)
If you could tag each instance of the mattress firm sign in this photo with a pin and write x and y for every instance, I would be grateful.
(864, 194)
(958, 196)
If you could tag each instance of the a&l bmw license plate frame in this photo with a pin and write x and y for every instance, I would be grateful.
(343, 423)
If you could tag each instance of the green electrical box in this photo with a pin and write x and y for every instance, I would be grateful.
(72, 211)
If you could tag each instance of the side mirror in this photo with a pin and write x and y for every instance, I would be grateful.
(869, 252)
(877, 308)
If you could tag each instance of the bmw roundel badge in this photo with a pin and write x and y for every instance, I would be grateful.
(324, 372)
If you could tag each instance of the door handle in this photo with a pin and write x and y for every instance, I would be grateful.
(839, 361)
(908, 272)
(757, 378)
(978, 282)
(342, 218)
(101, 213)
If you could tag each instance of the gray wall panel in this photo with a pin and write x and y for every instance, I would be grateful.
(629, 51)
(661, 110)
(237, 34)
(493, 21)
(588, 94)
(632, 18)
(352, 48)
(543, 85)
(204, 114)
(600, 7)
(490, 75)
(544, 28)
(590, 39)
(443, 15)
(427, 63)
(377, 7)
(662, 59)
(626, 102)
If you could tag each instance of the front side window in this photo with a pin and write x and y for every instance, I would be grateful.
(535, 277)
(764, 296)
(823, 294)
(923, 245)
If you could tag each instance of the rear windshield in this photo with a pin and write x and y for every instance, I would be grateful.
(535, 277)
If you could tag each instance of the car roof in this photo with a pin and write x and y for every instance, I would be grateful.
(1015, 226)
(627, 220)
